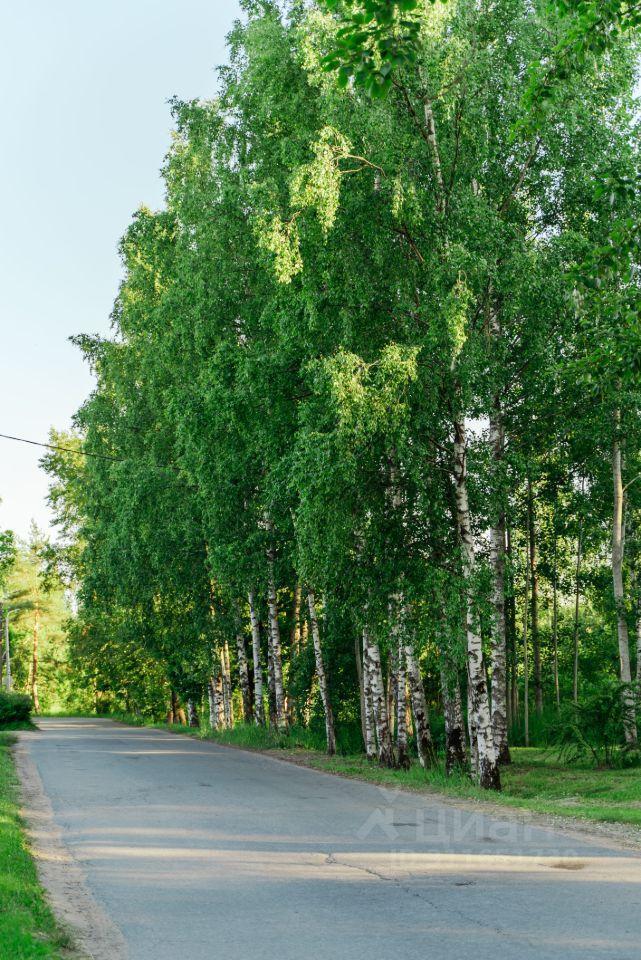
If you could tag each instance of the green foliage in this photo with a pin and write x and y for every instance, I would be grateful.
(14, 708)
(374, 39)
(589, 30)
(335, 285)
(593, 727)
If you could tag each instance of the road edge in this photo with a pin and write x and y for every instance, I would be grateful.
(94, 933)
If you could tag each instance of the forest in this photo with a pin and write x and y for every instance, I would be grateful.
(363, 454)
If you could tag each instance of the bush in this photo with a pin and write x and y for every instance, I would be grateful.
(594, 727)
(14, 708)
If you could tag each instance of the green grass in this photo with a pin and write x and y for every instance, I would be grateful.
(28, 930)
(536, 780)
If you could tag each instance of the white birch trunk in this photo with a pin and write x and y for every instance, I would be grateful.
(216, 708)
(295, 633)
(368, 707)
(487, 767)
(259, 706)
(211, 696)
(402, 755)
(423, 733)
(372, 665)
(455, 752)
(638, 626)
(192, 714)
(499, 644)
(526, 655)
(322, 677)
(275, 644)
(630, 727)
(243, 676)
(226, 682)
(361, 687)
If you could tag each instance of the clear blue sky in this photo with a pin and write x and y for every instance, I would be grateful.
(85, 128)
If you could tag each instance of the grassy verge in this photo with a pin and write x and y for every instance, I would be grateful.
(28, 930)
(536, 780)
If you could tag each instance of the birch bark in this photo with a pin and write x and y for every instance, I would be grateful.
(487, 767)
(499, 645)
(423, 733)
(455, 754)
(534, 583)
(526, 655)
(577, 598)
(192, 714)
(629, 722)
(402, 755)
(213, 712)
(372, 665)
(361, 686)
(243, 675)
(369, 732)
(497, 563)
(555, 626)
(226, 685)
(322, 676)
(259, 705)
(275, 645)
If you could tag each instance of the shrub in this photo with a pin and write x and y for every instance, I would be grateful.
(14, 708)
(593, 728)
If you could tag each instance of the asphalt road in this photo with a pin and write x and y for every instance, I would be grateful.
(201, 852)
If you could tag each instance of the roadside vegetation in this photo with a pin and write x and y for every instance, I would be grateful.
(360, 470)
(28, 930)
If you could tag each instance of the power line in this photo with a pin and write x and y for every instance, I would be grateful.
(55, 446)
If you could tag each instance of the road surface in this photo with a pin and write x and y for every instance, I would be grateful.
(199, 851)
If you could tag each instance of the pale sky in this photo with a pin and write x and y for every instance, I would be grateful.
(85, 127)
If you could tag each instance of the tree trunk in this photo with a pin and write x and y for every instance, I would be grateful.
(487, 767)
(294, 636)
(638, 626)
(402, 755)
(369, 732)
(555, 627)
(455, 753)
(275, 644)
(526, 654)
(511, 634)
(577, 598)
(192, 714)
(34, 660)
(497, 563)
(322, 676)
(422, 731)
(227, 691)
(361, 686)
(271, 686)
(259, 706)
(213, 709)
(372, 667)
(243, 676)
(218, 695)
(630, 726)
(499, 645)
(176, 712)
(534, 584)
